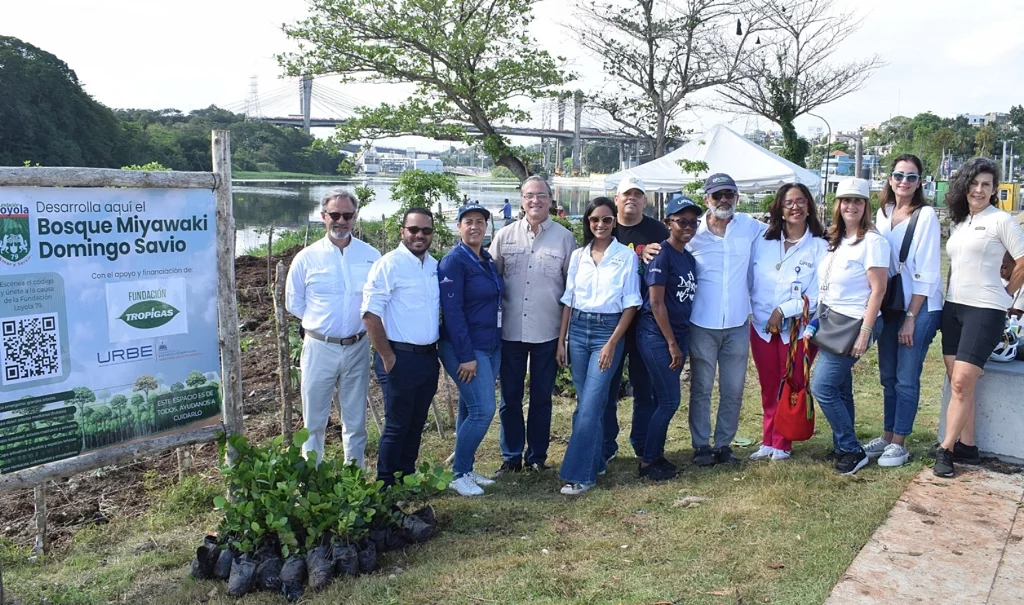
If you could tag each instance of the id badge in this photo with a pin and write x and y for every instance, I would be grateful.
(794, 291)
(499, 317)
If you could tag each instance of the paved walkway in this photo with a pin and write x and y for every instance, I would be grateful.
(955, 541)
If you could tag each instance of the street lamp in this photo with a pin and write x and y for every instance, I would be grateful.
(828, 141)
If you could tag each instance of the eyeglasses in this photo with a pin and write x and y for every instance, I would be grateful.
(603, 220)
(726, 194)
(540, 197)
(337, 216)
(417, 230)
(912, 177)
(800, 201)
(693, 223)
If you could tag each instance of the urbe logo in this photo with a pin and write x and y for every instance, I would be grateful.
(148, 314)
(14, 234)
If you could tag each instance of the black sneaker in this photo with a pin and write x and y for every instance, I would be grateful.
(702, 456)
(943, 463)
(507, 467)
(723, 455)
(538, 467)
(659, 470)
(851, 462)
(829, 457)
(966, 454)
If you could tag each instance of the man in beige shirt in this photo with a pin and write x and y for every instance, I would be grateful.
(532, 255)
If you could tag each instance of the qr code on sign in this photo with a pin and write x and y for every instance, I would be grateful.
(31, 348)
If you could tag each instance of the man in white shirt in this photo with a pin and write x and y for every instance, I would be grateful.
(401, 310)
(719, 332)
(324, 290)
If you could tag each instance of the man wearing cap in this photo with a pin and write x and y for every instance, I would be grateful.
(532, 256)
(506, 212)
(401, 308)
(636, 231)
(324, 290)
(719, 334)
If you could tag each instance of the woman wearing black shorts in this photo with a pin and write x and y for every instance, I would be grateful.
(976, 299)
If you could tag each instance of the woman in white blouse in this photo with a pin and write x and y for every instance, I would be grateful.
(974, 315)
(852, 280)
(783, 266)
(602, 293)
(906, 336)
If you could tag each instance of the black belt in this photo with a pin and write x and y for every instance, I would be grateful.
(351, 340)
(408, 348)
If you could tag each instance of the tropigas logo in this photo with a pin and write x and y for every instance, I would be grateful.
(14, 234)
(148, 314)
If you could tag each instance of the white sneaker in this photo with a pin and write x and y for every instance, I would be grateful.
(875, 447)
(894, 455)
(575, 489)
(480, 480)
(762, 452)
(466, 486)
(780, 455)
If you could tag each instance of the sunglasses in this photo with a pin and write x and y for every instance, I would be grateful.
(912, 177)
(800, 201)
(693, 223)
(727, 194)
(603, 220)
(337, 216)
(417, 230)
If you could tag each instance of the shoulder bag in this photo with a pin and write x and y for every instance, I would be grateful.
(893, 304)
(794, 416)
(836, 333)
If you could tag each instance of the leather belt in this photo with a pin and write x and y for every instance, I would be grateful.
(351, 340)
(408, 348)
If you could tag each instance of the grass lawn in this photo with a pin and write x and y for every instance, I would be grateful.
(768, 532)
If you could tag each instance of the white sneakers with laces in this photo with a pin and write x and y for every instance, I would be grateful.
(894, 455)
(480, 480)
(764, 452)
(875, 447)
(575, 489)
(465, 486)
(780, 455)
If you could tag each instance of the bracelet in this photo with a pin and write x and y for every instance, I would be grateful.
(867, 329)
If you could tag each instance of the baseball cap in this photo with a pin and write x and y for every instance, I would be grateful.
(474, 207)
(718, 182)
(678, 203)
(853, 187)
(630, 182)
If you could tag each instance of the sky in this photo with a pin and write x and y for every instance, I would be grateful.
(193, 53)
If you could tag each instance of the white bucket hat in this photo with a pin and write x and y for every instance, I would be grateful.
(853, 187)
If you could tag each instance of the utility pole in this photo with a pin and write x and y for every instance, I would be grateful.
(859, 155)
(1004, 159)
(577, 150)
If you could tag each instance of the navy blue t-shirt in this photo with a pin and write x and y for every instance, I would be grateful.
(677, 271)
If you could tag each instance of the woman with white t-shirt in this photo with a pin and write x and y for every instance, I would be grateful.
(906, 335)
(602, 294)
(852, 280)
(783, 267)
(974, 315)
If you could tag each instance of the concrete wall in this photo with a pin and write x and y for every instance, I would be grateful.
(999, 422)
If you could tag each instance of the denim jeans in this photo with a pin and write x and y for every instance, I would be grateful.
(727, 350)
(411, 386)
(536, 434)
(664, 387)
(899, 369)
(588, 333)
(476, 402)
(643, 399)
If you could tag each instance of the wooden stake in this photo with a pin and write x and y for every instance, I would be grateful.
(42, 545)
(448, 398)
(270, 256)
(283, 358)
(375, 414)
(227, 307)
(437, 418)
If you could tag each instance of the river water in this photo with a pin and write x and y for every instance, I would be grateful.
(291, 205)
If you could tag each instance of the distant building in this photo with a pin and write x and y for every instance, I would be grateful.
(429, 165)
(996, 118)
(973, 119)
(369, 161)
(842, 165)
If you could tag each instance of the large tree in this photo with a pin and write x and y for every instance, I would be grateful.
(794, 74)
(656, 53)
(471, 62)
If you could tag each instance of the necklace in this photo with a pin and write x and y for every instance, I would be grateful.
(794, 241)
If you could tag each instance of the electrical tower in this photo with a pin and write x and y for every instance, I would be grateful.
(252, 102)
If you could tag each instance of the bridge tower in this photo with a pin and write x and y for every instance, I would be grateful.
(306, 101)
(577, 143)
(558, 141)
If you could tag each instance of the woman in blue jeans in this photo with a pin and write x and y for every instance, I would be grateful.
(602, 293)
(662, 334)
(906, 336)
(851, 283)
(470, 344)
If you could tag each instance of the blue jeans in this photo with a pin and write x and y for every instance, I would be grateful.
(832, 386)
(536, 434)
(643, 399)
(665, 386)
(899, 369)
(588, 333)
(476, 402)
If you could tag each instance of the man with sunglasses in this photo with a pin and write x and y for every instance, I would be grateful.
(324, 290)
(636, 231)
(401, 311)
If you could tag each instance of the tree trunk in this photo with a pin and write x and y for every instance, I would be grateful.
(517, 166)
(792, 150)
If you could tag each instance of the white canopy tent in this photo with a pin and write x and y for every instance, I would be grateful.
(753, 167)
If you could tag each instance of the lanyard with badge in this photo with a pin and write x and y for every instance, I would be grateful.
(493, 272)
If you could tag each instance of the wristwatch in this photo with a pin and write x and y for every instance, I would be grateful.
(911, 314)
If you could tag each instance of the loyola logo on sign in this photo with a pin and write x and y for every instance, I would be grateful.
(148, 314)
(14, 234)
